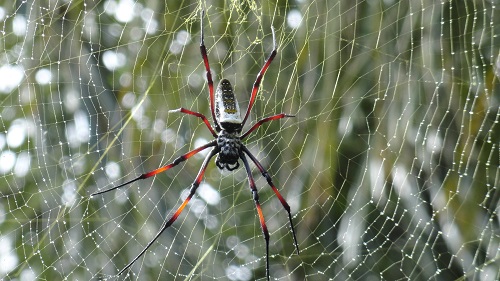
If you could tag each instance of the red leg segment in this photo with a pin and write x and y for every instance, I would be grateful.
(285, 205)
(262, 121)
(168, 223)
(197, 114)
(263, 225)
(203, 51)
(256, 84)
(176, 162)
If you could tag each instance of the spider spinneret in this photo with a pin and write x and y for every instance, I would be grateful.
(227, 146)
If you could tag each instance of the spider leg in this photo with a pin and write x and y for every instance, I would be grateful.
(197, 114)
(262, 121)
(168, 223)
(176, 162)
(203, 51)
(263, 225)
(285, 205)
(256, 84)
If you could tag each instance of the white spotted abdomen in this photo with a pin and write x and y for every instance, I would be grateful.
(227, 110)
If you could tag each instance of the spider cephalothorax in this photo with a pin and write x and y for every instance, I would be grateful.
(227, 145)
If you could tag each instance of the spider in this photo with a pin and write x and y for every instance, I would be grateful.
(227, 146)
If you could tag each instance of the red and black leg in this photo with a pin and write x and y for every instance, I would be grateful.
(176, 162)
(262, 121)
(169, 222)
(255, 195)
(285, 205)
(256, 84)
(197, 114)
(210, 82)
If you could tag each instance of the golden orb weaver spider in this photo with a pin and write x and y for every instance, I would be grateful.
(227, 146)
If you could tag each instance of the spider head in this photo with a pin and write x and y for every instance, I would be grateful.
(227, 110)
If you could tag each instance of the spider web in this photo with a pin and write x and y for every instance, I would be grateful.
(390, 165)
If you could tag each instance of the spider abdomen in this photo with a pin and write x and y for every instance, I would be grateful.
(227, 110)
(229, 145)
